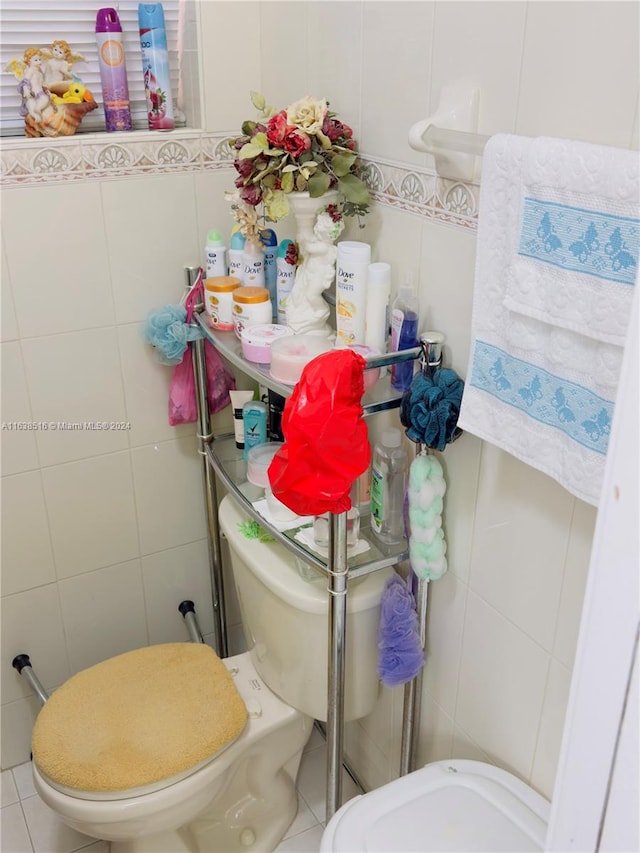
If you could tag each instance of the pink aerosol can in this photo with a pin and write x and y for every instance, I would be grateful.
(113, 71)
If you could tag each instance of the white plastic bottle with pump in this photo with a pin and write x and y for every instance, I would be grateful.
(352, 263)
(216, 255)
(388, 481)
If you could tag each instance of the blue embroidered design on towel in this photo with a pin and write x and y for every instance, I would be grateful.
(585, 241)
(573, 409)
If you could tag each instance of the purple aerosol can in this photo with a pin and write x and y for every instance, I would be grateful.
(113, 71)
(155, 66)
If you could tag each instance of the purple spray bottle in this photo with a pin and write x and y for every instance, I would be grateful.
(113, 71)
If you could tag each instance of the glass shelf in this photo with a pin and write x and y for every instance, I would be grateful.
(227, 462)
(379, 398)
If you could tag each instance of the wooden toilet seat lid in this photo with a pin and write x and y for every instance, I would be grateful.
(138, 718)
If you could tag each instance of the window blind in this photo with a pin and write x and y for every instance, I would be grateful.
(37, 23)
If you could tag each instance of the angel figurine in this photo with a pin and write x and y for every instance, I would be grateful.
(307, 310)
(59, 59)
(29, 72)
(50, 107)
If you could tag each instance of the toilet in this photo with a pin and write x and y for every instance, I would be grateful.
(168, 749)
(458, 805)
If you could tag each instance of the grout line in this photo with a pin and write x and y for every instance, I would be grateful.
(27, 827)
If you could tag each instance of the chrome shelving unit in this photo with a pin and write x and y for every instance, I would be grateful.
(221, 456)
(378, 399)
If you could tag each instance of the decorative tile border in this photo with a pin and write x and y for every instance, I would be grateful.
(422, 192)
(38, 162)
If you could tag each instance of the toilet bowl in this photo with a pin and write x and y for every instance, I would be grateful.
(458, 805)
(230, 793)
(243, 798)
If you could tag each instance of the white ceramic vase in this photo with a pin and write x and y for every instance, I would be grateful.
(307, 310)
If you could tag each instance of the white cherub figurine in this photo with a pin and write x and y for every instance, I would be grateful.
(59, 59)
(29, 72)
(307, 310)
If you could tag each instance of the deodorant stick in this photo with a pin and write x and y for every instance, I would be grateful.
(351, 290)
(286, 273)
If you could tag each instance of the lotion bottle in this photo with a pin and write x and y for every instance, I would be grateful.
(404, 332)
(352, 263)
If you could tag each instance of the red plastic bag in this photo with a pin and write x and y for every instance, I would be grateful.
(182, 390)
(183, 407)
(326, 440)
(219, 380)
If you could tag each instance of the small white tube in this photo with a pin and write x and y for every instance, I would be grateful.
(238, 399)
(377, 313)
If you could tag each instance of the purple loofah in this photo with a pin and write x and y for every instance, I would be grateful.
(400, 654)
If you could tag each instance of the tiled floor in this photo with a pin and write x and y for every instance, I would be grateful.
(29, 826)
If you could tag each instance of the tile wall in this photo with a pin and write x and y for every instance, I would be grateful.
(103, 532)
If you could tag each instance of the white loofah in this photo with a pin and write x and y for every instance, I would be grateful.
(423, 534)
(427, 547)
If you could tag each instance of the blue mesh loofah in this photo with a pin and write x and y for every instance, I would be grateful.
(169, 333)
(430, 408)
(400, 654)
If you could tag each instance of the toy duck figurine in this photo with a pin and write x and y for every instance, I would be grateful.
(75, 94)
(59, 59)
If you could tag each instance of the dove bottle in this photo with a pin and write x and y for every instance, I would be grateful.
(113, 71)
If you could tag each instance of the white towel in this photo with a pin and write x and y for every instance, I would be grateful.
(557, 258)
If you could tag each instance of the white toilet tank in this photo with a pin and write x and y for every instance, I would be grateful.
(285, 621)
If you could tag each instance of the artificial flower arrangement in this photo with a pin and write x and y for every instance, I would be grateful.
(302, 148)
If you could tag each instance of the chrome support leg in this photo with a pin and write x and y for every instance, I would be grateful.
(413, 694)
(337, 589)
(205, 436)
(408, 718)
